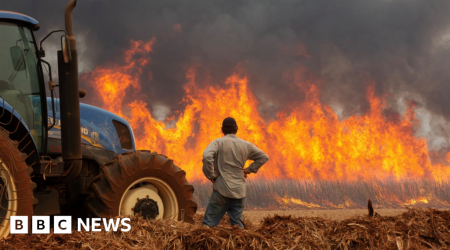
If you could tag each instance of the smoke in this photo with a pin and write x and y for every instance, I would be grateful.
(400, 47)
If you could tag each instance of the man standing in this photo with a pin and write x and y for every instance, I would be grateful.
(223, 165)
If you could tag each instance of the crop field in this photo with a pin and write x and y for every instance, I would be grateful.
(412, 229)
(295, 194)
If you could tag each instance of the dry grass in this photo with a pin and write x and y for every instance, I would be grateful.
(257, 216)
(413, 229)
(303, 194)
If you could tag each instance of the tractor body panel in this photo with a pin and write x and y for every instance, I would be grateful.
(99, 128)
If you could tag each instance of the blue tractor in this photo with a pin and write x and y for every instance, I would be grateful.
(58, 156)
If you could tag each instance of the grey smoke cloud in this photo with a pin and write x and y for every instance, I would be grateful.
(404, 46)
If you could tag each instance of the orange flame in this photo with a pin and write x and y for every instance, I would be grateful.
(422, 200)
(290, 200)
(306, 141)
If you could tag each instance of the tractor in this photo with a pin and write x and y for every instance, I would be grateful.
(60, 156)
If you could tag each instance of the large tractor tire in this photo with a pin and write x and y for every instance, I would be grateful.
(16, 187)
(143, 183)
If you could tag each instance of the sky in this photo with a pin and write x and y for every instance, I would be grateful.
(401, 47)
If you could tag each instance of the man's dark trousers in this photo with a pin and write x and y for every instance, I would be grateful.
(219, 205)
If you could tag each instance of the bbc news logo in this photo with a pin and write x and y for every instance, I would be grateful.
(63, 224)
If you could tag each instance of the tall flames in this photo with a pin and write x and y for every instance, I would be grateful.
(305, 141)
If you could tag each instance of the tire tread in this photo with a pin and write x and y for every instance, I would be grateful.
(115, 176)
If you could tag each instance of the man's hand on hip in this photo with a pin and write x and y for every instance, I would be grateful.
(246, 172)
(214, 179)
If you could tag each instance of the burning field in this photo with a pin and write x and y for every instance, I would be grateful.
(305, 141)
(292, 194)
(317, 159)
(414, 229)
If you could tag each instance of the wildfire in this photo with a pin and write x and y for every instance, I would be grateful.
(422, 200)
(305, 141)
(289, 201)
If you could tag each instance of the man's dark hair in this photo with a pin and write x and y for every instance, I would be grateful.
(229, 130)
(229, 126)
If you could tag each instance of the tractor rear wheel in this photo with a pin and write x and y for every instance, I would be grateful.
(142, 182)
(16, 187)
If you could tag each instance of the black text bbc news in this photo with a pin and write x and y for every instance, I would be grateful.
(63, 224)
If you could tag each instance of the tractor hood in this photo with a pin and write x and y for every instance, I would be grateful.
(99, 128)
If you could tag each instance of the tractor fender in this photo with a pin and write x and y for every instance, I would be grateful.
(12, 122)
(99, 155)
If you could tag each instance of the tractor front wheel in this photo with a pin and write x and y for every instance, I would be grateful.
(142, 183)
(16, 187)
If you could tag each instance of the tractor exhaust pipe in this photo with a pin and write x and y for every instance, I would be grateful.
(69, 102)
(68, 23)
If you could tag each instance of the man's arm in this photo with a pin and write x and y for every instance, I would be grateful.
(208, 160)
(259, 158)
